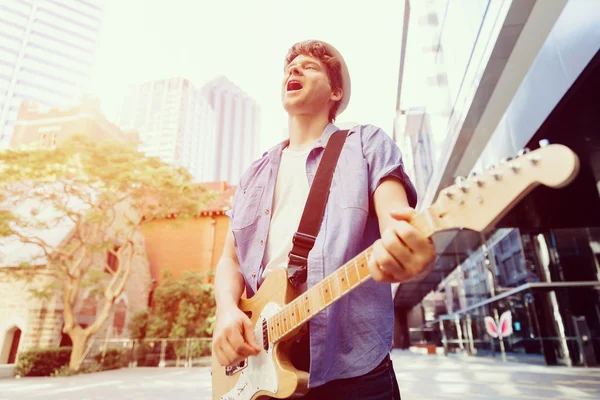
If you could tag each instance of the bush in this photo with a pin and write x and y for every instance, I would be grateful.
(42, 362)
(113, 359)
(65, 370)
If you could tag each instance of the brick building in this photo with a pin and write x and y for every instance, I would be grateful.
(168, 244)
(51, 126)
(192, 244)
(28, 322)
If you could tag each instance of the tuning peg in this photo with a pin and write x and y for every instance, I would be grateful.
(449, 194)
(459, 181)
(491, 167)
(515, 167)
(505, 160)
(533, 159)
(497, 175)
(477, 178)
(523, 151)
(544, 142)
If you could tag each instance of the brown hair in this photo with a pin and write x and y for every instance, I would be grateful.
(332, 65)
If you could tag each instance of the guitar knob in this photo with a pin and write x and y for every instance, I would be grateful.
(544, 142)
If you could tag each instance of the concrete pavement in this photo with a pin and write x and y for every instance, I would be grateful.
(420, 377)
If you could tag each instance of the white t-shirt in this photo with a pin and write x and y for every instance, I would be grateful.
(291, 192)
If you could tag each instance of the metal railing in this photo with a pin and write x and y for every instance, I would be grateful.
(190, 352)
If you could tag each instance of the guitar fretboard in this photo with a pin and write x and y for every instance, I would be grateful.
(334, 287)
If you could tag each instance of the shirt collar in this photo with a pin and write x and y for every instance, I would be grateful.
(274, 153)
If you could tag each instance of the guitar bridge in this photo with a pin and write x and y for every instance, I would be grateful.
(232, 369)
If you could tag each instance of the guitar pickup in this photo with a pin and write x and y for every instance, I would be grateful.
(232, 369)
(265, 331)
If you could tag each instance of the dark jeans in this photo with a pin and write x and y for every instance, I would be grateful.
(379, 384)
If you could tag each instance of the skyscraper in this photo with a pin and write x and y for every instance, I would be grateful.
(46, 54)
(237, 133)
(175, 123)
(418, 131)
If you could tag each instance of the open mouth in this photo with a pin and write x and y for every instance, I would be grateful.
(293, 86)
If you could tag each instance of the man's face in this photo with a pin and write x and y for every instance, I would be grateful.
(306, 89)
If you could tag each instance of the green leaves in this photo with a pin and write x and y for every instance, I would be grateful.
(183, 308)
(75, 202)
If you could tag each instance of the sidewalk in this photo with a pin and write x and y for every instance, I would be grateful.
(435, 377)
(421, 377)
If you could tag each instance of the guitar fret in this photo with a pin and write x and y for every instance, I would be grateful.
(345, 267)
(336, 278)
(271, 329)
(362, 268)
(322, 306)
(328, 295)
(279, 325)
(307, 298)
(305, 316)
(352, 281)
(294, 313)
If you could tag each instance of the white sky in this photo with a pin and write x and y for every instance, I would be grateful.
(143, 40)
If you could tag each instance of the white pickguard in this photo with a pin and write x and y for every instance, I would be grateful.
(260, 374)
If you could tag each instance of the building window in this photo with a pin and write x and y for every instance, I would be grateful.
(112, 262)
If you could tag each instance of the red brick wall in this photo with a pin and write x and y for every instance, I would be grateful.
(185, 245)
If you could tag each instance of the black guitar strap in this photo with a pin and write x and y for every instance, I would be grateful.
(308, 229)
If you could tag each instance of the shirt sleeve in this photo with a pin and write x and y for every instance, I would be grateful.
(384, 158)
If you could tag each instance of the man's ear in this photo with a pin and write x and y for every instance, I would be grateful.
(337, 94)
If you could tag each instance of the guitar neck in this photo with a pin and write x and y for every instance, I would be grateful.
(345, 279)
(474, 203)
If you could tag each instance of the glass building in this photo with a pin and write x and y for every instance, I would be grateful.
(495, 77)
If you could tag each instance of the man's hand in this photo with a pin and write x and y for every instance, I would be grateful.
(403, 252)
(233, 339)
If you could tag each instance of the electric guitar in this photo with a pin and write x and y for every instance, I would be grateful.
(278, 311)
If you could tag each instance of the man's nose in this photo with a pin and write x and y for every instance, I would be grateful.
(294, 70)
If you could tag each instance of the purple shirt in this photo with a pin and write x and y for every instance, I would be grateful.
(352, 336)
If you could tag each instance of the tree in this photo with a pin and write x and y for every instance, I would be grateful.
(101, 193)
(183, 308)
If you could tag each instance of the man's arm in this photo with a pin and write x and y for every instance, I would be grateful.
(403, 252)
(229, 282)
(389, 195)
(233, 338)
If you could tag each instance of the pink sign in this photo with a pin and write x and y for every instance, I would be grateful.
(503, 329)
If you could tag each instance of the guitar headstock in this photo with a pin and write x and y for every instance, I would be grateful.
(482, 199)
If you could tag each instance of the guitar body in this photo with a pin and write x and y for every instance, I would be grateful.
(270, 373)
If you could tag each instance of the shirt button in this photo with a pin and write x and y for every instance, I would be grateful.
(267, 212)
(261, 242)
(253, 275)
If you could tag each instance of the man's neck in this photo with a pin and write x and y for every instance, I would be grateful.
(304, 130)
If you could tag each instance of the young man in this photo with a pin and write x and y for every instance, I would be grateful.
(370, 200)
